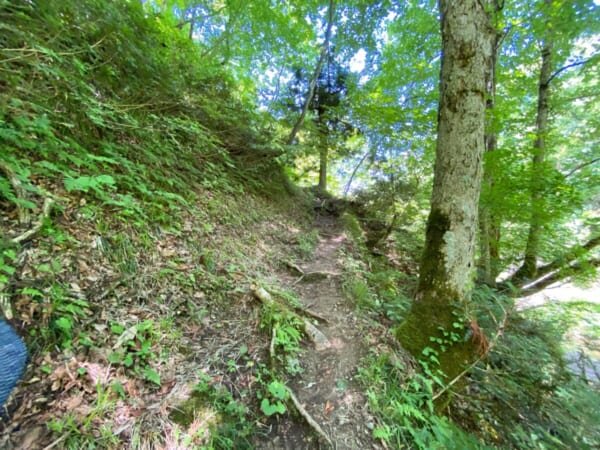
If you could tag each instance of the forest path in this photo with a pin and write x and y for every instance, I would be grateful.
(327, 387)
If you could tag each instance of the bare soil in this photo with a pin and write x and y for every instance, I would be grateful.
(327, 387)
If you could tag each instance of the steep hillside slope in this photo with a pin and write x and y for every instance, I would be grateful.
(139, 201)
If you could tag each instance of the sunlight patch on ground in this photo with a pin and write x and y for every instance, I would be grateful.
(562, 292)
(576, 312)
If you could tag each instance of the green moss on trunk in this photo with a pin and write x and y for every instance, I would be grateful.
(437, 316)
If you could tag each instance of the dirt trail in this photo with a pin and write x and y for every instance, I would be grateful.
(327, 387)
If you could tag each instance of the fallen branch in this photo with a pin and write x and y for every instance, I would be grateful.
(46, 210)
(308, 417)
(267, 299)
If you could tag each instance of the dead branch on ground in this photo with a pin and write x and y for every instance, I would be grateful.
(267, 299)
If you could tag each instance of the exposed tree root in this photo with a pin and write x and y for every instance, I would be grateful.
(312, 314)
(308, 276)
(315, 426)
(272, 346)
(314, 334)
(5, 305)
(267, 299)
(295, 269)
(20, 193)
(46, 209)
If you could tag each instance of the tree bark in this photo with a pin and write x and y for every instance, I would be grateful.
(192, 23)
(443, 292)
(529, 267)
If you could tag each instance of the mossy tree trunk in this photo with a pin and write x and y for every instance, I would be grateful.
(443, 292)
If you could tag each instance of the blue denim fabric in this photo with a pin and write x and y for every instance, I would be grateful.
(13, 358)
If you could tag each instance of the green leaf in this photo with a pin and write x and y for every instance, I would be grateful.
(278, 390)
(118, 389)
(381, 433)
(269, 408)
(8, 269)
(151, 375)
(114, 358)
(32, 292)
(64, 323)
(86, 183)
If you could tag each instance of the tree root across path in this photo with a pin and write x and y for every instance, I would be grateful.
(320, 341)
(316, 336)
(309, 276)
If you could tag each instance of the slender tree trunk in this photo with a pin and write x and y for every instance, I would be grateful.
(315, 77)
(489, 227)
(192, 23)
(442, 300)
(529, 267)
(323, 155)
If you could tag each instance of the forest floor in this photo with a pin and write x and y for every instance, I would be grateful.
(578, 310)
(179, 349)
(327, 386)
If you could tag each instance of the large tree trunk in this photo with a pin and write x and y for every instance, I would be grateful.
(529, 267)
(443, 292)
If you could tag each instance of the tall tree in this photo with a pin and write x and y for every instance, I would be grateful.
(325, 108)
(443, 293)
(489, 227)
(529, 267)
(317, 72)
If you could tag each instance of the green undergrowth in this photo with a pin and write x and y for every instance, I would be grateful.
(176, 280)
(232, 413)
(168, 207)
(371, 281)
(521, 396)
(118, 109)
